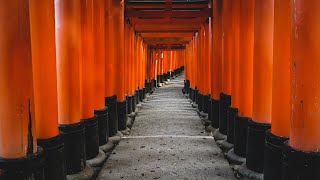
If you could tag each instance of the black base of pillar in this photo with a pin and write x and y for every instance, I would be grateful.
(215, 105)
(191, 94)
(146, 85)
(111, 103)
(129, 103)
(134, 102)
(209, 110)
(154, 83)
(102, 117)
(225, 103)
(158, 79)
(53, 150)
(122, 115)
(140, 95)
(273, 156)
(255, 145)
(196, 94)
(172, 74)
(240, 136)
(188, 87)
(144, 93)
(137, 96)
(92, 137)
(161, 78)
(232, 114)
(300, 165)
(30, 167)
(200, 102)
(205, 103)
(74, 146)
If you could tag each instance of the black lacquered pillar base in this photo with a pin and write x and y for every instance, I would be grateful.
(215, 106)
(92, 137)
(129, 103)
(30, 167)
(53, 150)
(140, 95)
(300, 165)
(191, 95)
(273, 156)
(225, 103)
(137, 94)
(232, 114)
(240, 136)
(74, 146)
(103, 126)
(205, 102)
(111, 103)
(144, 93)
(134, 102)
(122, 115)
(255, 145)
(200, 101)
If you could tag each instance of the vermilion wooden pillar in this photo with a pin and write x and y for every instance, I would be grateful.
(245, 76)
(216, 64)
(128, 59)
(68, 52)
(87, 69)
(100, 111)
(42, 29)
(225, 96)
(206, 67)
(233, 109)
(301, 156)
(17, 128)
(281, 108)
(118, 43)
(262, 84)
(201, 68)
(110, 68)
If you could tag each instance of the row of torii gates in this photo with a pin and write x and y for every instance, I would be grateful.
(72, 70)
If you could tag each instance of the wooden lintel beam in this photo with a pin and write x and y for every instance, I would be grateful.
(162, 6)
(166, 28)
(206, 12)
(154, 42)
(167, 35)
(198, 21)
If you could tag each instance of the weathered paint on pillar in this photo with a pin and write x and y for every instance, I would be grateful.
(216, 76)
(235, 26)
(68, 45)
(87, 64)
(246, 57)
(281, 107)
(305, 87)
(99, 54)
(109, 50)
(262, 63)
(42, 29)
(118, 43)
(16, 86)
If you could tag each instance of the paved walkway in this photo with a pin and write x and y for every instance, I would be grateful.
(167, 141)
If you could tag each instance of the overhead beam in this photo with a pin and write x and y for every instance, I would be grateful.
(130, 13)
(163, 6)
(166, 27)
(167, 34)
(155, 42)
(137, 21)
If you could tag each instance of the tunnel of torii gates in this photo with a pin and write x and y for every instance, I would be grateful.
(72, 71)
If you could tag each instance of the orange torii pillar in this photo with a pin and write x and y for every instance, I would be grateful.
(19, 156)
(87, 70)
(148, 83)
(245, 77)
(42, 27)
(100, 111)
(201, 69)
(206, 69)
(110, 69)
(118, 42)
(187, 70)
(195, 64)
(128, 67)
(225, 96)
(281, 108)
(301, 154)
(68, 47)
(159, 68)
(232, 111)
(133, 72)
(216, 62)
(262, 84)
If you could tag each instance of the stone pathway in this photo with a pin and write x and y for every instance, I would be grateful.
(167, 141)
